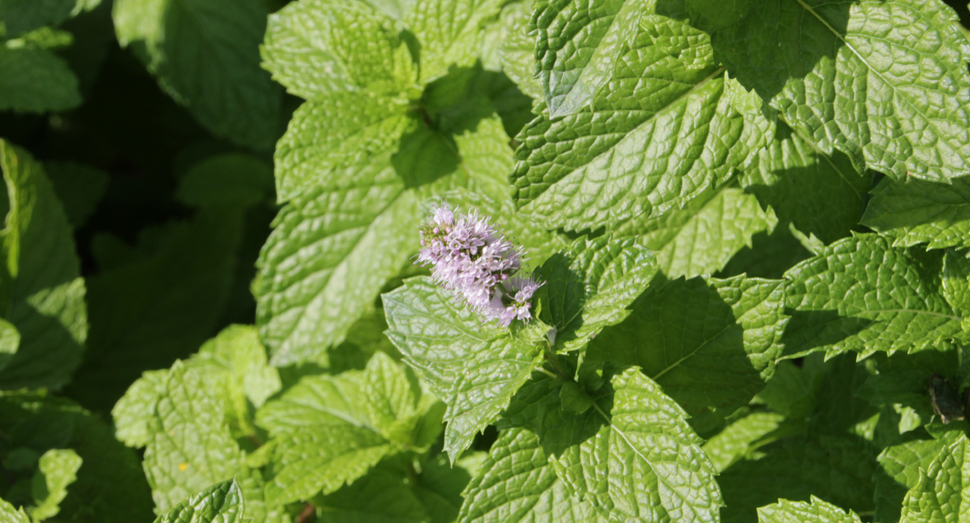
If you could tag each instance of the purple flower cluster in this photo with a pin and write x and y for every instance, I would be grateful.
(475, 261)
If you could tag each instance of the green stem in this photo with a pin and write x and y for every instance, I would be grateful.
(556, 366)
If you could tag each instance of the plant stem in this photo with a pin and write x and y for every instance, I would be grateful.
(308, 512)
(556, 366)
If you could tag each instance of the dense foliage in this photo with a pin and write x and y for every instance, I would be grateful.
(747, 225)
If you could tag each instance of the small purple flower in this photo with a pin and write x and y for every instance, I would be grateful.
(512, 300)
(474, 261)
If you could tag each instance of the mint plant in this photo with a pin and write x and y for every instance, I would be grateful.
(484, 261)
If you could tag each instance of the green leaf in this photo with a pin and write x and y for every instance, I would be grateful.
(819, 194)
(943, 489)
(703, 236)
(903, 379)
(305, 302)
(191, 446)
(902, 464)
(712, 15)
(236, 365)
(41, 291)
(237, 349)
(577, 46)
(634, 434)
(956, 281)
(11, 514)
(392, 394)
(21, 16)
(334, 138)
(36, 81)
(917, 211)
(517, 484)
(110, 485)
(160, 306)
(220, 503)
(450, 33)
(308, 463)
(651, 442)
(79, 187)
(740, 437)
(860, 294)
(406, 490)
(837, 470)
(381, 496)
(723, 350)
(589, 286)
(9, 341)
(769, 256)
(134, 414)
(474, 368)
(330, 430)
(517, 49)
(205, 55)
(231, 180)
(313, 47)
(643, 147)
(817, 511)
(57, 469)
(883, 82)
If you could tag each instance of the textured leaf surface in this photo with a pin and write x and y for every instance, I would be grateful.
(220, 503)
(713, 15)
(36, 81)
(769, 256)
(57, 469)
(474, 368)
(450, 32)
(703, 236)
(902, 464)
(663, 130)
(329, 431)
(365, 215)
(517, 484)
(734, 442)
(837, 470)
(318, 48)
(191, 446)
(650, 442)
(309, 463)
(577, 45)
(942, 492)
(430, 492)
(819, 194)
(817, 511)
(10, 514)
(517, 48)
(956, 281)
(41, 292)
(632, 455)
(711, 344)
(110, 486)
(860, 294)
(590, 285)
(205, 55)
(881, 81)
(337, 136)
(134, 413)
(918, 211)
(380, 496)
